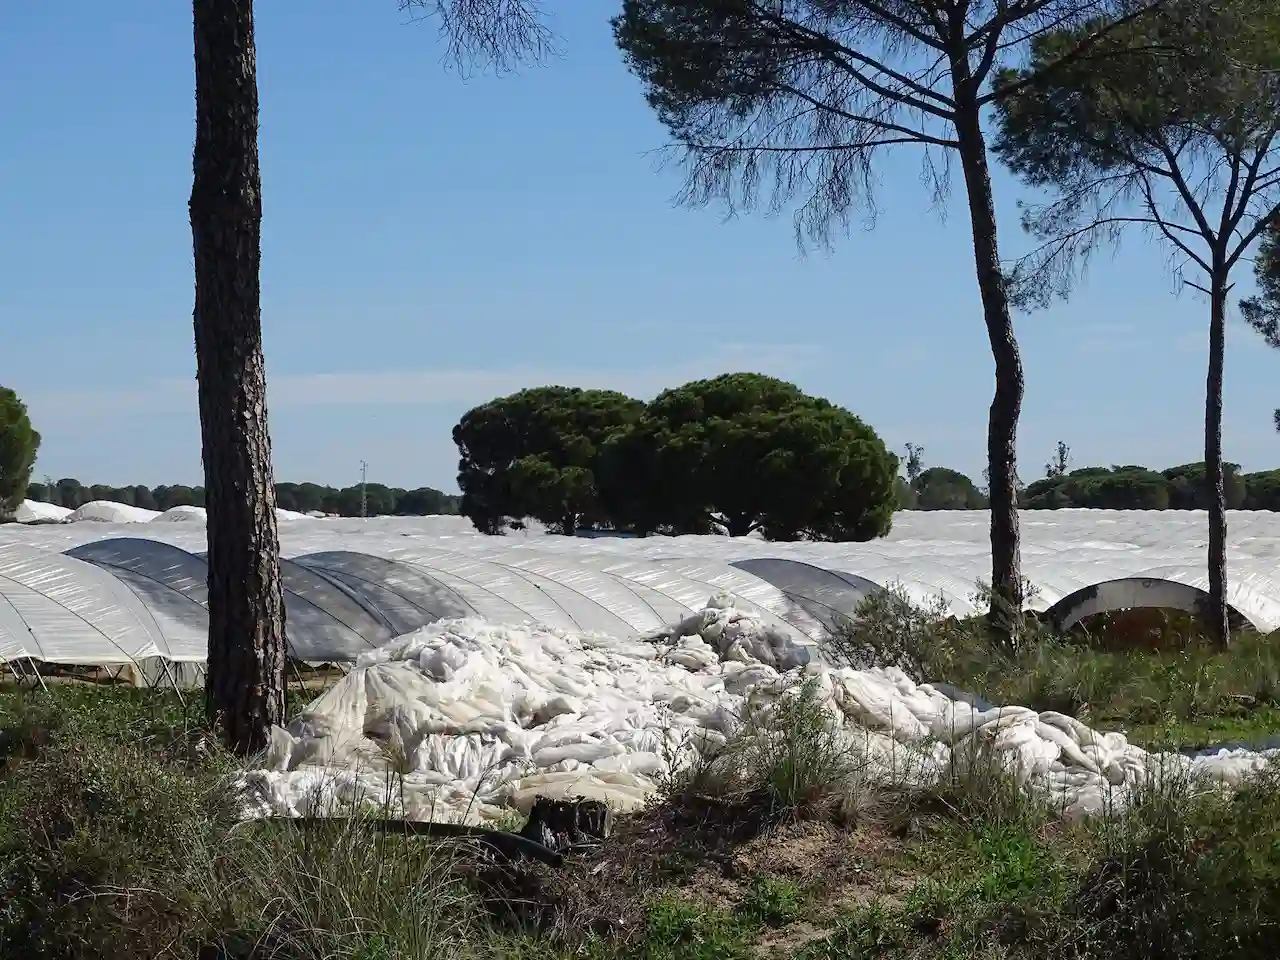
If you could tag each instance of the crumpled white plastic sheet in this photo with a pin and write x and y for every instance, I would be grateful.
(466, 721)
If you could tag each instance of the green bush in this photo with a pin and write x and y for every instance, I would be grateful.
(1187, 872)
(95, 851)
(117, 839)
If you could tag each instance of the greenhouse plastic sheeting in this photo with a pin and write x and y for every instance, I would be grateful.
(355, 583)
(830, 597)
(569, 715)
(174, 571)
(1260, 611)
(493, 593)
(679, 586)
(406, 598)
(724, 577)
(571, 591)
(520, 588)
(621, 606)
(59, 609)
(322, 622)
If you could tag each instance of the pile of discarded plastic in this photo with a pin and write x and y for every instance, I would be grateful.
(465, 721)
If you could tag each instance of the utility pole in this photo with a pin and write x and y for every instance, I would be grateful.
(364, 500)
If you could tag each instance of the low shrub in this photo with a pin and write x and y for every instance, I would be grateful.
(1185, 872)
(96, 841)
(788, 760)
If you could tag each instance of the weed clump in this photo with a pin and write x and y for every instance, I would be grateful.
(788, 760)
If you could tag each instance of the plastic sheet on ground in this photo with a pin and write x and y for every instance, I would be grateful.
(466, 721)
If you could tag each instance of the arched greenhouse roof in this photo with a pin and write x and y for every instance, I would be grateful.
(110, 593)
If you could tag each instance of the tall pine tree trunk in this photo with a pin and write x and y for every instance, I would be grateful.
(1215, 482)
(244, 693)
(1006, 405)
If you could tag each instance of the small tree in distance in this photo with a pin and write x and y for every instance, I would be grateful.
(1170, 124)
(1061, 462)
(797, 99)
(915, 462)
(940, 488)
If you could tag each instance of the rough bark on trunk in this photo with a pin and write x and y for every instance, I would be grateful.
(244, 693)
(1006, 405)
(1215, 615)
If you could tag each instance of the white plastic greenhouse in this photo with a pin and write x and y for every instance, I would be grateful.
(113, 593)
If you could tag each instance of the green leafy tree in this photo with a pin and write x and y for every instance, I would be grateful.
(1138, 488)
(1169, 124)
(912, 466)
(794, 101)
(70, 493)
(1188, 490)
(19, 444)
(746, 452)
(940, 488)
(425, 501)
(533, 454)
(1123, 488)
(143, 497)
(1049, 493)
(1102, 488)
(1262, 490)
(1262, 311)
(906, 497)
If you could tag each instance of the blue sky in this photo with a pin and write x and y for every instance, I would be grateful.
(432, 241)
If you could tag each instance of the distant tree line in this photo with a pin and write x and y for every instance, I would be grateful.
(1098, 488)
(736, 454)
(299, 497)
(1139, 488)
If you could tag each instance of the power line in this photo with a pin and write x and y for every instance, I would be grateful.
(364, 500)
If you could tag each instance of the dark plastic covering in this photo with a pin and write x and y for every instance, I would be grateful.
(177, 579)
(829, 596)
(405, 596)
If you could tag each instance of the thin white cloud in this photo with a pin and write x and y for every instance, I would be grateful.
(1105, 338)
(427, 387)
(1239, 336)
